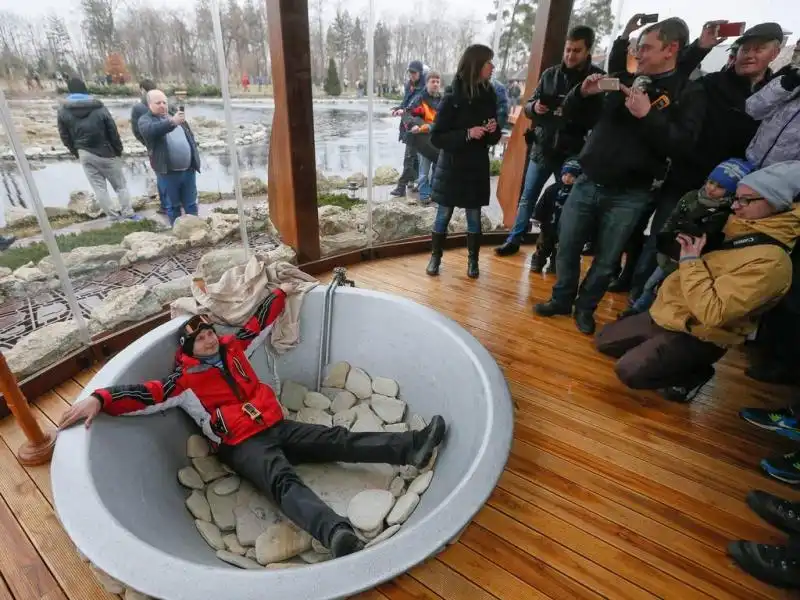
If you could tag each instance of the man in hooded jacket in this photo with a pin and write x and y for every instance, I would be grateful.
(714, 299)
(89, 132)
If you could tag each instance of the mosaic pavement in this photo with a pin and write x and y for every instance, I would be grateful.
(19, 317)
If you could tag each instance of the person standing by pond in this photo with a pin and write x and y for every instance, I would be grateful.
(173, 154)
(89, 132)
(465, 126)
(139, 109)
(413, 88)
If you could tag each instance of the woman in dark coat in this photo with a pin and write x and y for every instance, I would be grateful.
(465, 127)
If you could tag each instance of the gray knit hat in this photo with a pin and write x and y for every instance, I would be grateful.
(779, 183)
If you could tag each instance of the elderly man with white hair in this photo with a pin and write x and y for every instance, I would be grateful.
(173, 154)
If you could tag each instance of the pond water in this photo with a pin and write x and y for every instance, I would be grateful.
(340, 136)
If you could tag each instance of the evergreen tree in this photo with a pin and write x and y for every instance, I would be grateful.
(332, 85)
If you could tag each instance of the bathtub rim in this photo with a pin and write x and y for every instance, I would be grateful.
(77, 501)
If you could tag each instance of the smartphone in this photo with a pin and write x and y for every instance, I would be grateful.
(181, 108)
(609, 84)
(651, 18)
(727, 30)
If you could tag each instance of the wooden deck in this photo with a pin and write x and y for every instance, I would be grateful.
(607, 493)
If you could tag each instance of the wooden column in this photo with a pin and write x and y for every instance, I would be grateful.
(39, 447)
(547, 48)
(292, 165)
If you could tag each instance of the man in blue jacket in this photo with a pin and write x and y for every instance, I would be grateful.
(173, 154)
(413, 88)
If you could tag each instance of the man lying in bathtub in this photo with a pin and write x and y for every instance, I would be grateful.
(215, 384)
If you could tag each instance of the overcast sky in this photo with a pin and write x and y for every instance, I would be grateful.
(695, 12)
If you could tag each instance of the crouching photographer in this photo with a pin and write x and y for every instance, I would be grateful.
(698, 213)
(713, 300)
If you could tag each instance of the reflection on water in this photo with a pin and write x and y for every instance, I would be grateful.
(340, 135)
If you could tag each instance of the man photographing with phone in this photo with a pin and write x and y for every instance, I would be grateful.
(634, 131)
(553, 138)
(173, 154)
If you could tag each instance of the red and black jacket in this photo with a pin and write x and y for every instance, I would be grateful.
(213, 396)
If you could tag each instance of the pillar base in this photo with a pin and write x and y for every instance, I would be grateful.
(32, 455)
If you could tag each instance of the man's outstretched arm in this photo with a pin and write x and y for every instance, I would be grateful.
(145, 398)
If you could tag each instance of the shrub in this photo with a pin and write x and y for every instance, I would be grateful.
(333, 86)
(495, 165)
(342, 200)
(16, 257)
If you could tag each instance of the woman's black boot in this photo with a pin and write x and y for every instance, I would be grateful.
(437, 245)
(473, 251)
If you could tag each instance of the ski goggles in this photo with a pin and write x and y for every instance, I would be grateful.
(195, 324)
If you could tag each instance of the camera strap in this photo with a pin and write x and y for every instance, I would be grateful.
(752, 239)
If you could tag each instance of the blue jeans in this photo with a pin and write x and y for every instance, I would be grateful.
(445, 213)
(648, 295)
(162, 193)
(181, 189)
(535, 178)
(613, 214)
(425, 178)
(648, 258)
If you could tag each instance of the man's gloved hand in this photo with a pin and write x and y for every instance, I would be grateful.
(791, 79)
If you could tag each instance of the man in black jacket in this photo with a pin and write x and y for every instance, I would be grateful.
(90, 134)
(634, 131)
(137, 112)
(726, 129)
(555, 137)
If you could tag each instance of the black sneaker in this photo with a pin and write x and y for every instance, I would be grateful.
(584, 319)
(781, 420)
(507, 249)
(344, 541)
(398, 192)
(551, 309)
(784, 468)
(426, 441)
(776, 511)
(774, 565)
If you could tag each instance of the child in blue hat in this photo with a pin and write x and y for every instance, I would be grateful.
(699, 212)
(548, 213)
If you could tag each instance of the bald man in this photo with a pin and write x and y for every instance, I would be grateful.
(173, 154)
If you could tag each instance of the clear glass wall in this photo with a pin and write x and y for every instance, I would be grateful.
(125, 260)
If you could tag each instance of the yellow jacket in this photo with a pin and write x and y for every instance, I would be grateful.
(719, 297)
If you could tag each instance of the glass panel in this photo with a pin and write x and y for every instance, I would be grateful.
(128, 265)
(412, 51)
(338, 68)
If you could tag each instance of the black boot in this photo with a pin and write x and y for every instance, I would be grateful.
(473, 251)
(437, 245)
(584, 319)
(426, 441)
(686, 393)
(538, 260)
(399, 191)
(775, 565)
(776, 511)
(551, 308)
(344, 541)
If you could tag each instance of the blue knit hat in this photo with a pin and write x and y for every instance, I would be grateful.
(572, 166)
(728, 173)
(416, 66)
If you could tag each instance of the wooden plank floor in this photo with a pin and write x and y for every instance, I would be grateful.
(608, 493)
